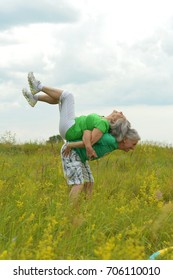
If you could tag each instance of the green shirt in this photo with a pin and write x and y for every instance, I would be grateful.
(105, 145)
(83, 123)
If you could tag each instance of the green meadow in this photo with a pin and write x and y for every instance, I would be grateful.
(130, 215)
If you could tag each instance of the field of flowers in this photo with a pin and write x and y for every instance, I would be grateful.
(130, 215)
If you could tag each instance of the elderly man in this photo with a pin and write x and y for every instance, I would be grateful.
(75, 161)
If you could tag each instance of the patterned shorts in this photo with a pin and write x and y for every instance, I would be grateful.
(75, 171)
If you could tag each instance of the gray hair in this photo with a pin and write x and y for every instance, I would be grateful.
(122, 128)
(132, 134)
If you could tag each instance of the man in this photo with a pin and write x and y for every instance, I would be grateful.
(75, 161)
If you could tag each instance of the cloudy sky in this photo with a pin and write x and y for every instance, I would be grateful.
(112, 54)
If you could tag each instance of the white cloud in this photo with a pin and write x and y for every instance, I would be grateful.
(116, 53)
(40, 11)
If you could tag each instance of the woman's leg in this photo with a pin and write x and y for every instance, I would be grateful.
(46, 98)
(36, 86)
(54, 96)
(67, 112)
(32, 99)
(54, 93)
(65, 100)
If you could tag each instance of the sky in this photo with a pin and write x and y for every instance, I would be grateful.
(112, 54)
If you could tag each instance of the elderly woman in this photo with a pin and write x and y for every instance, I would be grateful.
(75, 160)
(72, 128)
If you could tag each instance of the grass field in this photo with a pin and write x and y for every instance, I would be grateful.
(130, 215)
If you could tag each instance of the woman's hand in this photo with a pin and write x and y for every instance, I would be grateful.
(67, 150)
(90, 153)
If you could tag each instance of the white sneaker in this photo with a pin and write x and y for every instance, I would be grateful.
(33, 83)
(29, 97)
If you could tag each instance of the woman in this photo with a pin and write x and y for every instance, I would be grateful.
(70, 127)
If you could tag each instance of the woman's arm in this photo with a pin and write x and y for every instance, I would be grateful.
(87, 140)
(72, 145)
(96, 134)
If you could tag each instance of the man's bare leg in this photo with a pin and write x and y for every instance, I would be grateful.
(74, 193)
(88, 187)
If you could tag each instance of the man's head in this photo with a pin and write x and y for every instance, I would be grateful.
(130, 140)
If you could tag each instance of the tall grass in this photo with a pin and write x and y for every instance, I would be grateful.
(130, 215)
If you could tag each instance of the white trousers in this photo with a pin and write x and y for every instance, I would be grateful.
(67, 112)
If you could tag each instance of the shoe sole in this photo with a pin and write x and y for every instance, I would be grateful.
(27, 98)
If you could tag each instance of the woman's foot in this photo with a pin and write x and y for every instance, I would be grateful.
(35, 85)
(29, 97)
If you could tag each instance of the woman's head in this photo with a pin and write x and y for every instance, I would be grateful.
(126, 136)
(119, 128)
(114, 116)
